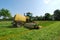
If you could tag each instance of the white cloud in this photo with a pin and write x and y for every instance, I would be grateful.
(46, 1)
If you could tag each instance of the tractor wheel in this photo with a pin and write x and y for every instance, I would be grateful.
(14, 25)
(18, 24)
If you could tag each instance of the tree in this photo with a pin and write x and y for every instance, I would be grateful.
(57, 14)
(47, 16)
(0, 14)
(36, 18)
(5, 13)
(41, 18)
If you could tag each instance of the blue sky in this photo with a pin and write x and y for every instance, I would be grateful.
(37, 7)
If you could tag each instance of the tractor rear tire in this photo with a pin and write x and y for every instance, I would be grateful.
(18, 25)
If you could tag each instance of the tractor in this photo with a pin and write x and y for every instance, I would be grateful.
(26, 21)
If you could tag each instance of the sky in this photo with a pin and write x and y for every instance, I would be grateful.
(37, 7)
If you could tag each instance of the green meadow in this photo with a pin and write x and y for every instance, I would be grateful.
(50, 31)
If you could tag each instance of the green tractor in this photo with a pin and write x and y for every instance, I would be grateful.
(26, 21)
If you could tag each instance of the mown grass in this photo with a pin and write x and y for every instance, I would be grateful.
(45, 23)
(50, 31)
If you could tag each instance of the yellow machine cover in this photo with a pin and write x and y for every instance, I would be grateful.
(19, 17)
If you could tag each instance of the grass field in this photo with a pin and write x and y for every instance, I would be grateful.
(50, 31)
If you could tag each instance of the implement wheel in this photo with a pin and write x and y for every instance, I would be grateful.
(36, 27)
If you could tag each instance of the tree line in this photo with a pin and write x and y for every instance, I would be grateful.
(5, 14)
(55, 16)
(47, 16)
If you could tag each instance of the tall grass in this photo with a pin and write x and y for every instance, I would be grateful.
(50, 31)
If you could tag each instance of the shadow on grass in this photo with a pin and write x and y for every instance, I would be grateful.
(7, 27)
(10, 26)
